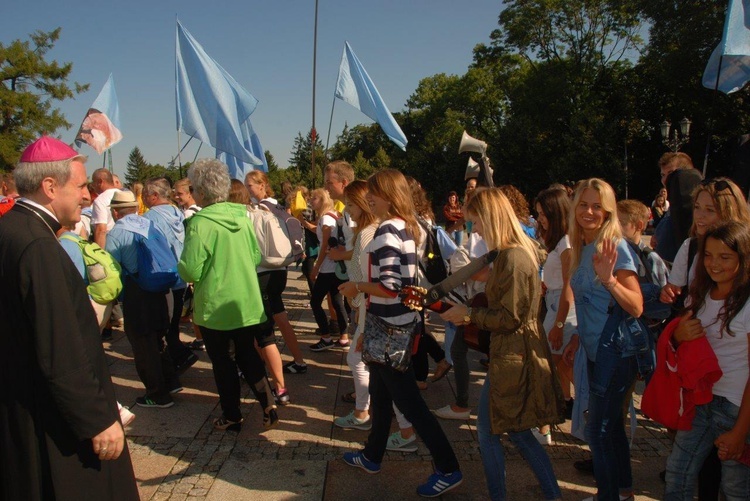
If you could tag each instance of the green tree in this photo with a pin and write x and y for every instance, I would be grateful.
(137, 167)
(29, 86)
(301, 161)
(567, 92)
(669, 80)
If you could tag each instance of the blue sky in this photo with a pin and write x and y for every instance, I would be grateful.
(267, 46)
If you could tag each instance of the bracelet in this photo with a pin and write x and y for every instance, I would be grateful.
(611, 284)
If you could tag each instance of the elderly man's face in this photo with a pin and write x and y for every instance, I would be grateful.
(68, 198)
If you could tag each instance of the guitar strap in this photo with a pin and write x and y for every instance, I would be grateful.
(442, 289)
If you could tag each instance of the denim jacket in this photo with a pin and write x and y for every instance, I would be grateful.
(623, 336)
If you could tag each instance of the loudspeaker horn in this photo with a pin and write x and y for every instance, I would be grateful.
(472, 169)
(469, 143)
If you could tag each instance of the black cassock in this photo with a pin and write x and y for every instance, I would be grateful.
(55, 388)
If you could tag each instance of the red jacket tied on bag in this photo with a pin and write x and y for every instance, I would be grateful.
(683, 378)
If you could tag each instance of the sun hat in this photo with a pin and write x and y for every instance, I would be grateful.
(49, 149)
(123, 199)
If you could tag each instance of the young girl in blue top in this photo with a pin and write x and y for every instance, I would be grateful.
(604, 273)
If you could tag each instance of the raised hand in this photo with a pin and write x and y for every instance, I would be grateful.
(604, 261)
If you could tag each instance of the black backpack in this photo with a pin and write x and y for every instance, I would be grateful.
(432, 262)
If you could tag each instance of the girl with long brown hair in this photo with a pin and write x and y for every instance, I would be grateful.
(393, 265)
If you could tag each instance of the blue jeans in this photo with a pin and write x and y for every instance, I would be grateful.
(493, 455)
(450, 333)
(605, 429)
(692, 446)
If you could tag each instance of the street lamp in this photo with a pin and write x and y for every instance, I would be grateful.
(677, 139)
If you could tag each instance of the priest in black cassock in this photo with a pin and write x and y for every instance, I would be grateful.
(60, 432)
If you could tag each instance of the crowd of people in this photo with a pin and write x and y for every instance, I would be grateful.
(573, 302)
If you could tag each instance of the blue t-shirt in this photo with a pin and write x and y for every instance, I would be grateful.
(592, 300)
(74, 251)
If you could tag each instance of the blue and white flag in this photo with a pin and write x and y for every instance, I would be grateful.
(239, 169)
(355, 87)
(100, 128)
(211, 105)
(733, 51)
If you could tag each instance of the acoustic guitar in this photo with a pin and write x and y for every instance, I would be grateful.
(414, 298)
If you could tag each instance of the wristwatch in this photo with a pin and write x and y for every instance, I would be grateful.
(559, 325)
(467, 316)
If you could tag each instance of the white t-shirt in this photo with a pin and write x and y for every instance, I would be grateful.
(680, 275)
(329, 265)
(731, 351)
(100, 213)
(552, 275)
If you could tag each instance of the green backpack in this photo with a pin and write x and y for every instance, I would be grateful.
(102, 271)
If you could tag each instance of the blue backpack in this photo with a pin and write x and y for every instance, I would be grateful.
(157, 265)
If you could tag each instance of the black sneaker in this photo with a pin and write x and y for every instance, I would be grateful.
(197, 345)
(270, 419)
(161, 403)
(188, 362)
(295, 368)
(323, 345)
(223, 423)
(281, 398)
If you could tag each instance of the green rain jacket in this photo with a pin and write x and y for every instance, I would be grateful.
(219, 258)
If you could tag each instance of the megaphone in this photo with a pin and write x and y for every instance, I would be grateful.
(469, 143)
(472, 169)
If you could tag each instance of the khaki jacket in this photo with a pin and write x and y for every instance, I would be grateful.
(524, 388)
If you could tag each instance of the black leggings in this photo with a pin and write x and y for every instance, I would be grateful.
(324, 284)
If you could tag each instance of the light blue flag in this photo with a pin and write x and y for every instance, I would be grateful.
(239, 169)
(356, 88)
(733, 51)
(211, 105)
(100, 128)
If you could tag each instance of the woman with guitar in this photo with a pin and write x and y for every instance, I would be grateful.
(393, 266)
(521, 391)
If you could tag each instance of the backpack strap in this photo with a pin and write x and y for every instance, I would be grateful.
(692, 251)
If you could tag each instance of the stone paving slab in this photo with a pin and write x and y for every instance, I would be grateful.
(268, 480)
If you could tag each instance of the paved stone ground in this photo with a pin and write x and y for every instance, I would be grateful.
(177, 455)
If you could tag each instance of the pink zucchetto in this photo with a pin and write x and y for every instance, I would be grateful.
(48, 149)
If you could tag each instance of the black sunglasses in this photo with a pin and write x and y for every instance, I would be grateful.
(719, 185)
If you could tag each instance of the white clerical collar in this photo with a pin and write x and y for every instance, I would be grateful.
(38, 206)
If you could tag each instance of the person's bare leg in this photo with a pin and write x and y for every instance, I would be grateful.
(565, 374)
(290, 337)
(273, 361)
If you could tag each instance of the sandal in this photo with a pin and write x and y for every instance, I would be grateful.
(349, 398)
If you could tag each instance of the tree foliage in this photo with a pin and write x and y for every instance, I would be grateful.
(29, 87)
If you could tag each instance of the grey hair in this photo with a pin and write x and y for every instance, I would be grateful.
(159, 186)
(210, 178)
(29, 175)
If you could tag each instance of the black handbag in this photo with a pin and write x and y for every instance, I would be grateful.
(386, 344)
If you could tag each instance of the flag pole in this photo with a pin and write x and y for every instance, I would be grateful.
(179, 152)
(328, 139)
(104, 159)
(312, 135)
(708, 129)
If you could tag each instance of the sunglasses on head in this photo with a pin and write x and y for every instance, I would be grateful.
(720, 185)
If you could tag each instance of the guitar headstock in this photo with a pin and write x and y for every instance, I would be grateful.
(413, 296)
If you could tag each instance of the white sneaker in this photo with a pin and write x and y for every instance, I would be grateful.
(448, 413)
(542, 438)
(126, 416)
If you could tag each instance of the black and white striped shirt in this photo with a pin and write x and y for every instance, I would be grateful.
(393, 265)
